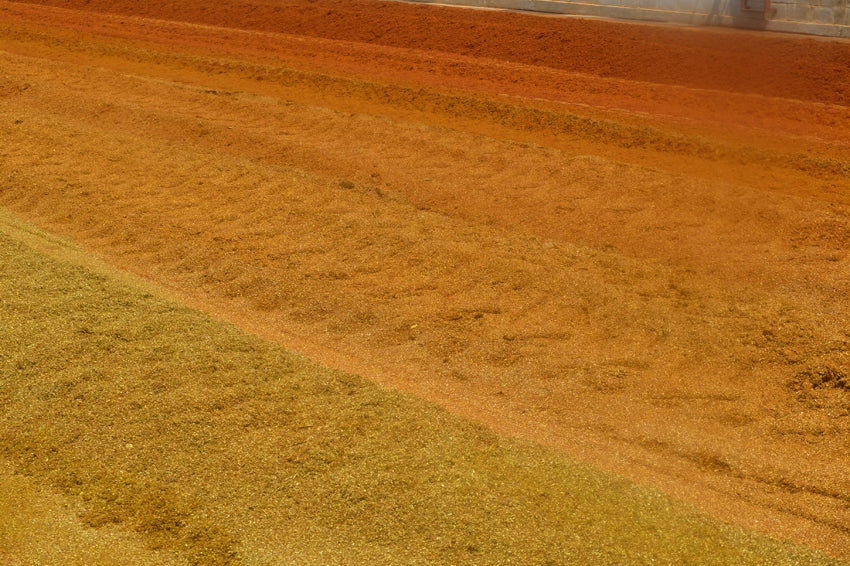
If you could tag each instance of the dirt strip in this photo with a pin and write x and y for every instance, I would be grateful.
(772, 65)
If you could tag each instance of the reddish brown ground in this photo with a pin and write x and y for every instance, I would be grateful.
(625, 241)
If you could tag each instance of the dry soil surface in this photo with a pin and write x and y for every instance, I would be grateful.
(627, 242)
